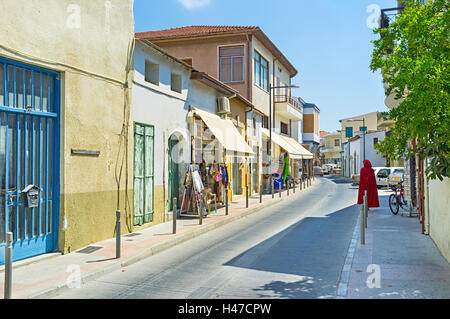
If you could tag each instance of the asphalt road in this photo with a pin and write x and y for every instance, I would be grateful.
(295, 249)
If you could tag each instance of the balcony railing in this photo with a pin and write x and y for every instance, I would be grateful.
(388, 16)
(288, 99)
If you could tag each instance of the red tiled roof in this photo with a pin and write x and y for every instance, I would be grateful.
(190, 31)
(203, 30)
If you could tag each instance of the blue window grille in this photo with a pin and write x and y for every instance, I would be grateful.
(29, 155)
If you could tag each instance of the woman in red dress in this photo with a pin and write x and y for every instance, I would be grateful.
(368, 183)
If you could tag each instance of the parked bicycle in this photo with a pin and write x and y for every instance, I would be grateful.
(397, 199)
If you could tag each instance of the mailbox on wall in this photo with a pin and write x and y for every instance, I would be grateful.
(31, 195)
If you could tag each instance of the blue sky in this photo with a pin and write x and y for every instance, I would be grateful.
(328, 41)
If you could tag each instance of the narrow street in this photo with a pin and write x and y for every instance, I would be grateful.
(295, 249)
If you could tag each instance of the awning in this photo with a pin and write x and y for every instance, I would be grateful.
(294, 148)
(225, 132)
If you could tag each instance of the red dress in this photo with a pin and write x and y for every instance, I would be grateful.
(367, 182)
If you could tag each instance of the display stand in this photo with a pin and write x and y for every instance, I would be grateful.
(193, 189)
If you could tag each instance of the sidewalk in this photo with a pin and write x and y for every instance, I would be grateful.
(408, 262)
(44, 276)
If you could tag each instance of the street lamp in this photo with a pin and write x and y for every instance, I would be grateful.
(364, 135)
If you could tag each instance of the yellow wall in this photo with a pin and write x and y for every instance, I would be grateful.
(88, 43)
(371, 121)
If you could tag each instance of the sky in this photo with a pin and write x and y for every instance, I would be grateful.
(328, 42)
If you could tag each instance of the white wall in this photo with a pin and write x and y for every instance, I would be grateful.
(297, 131)
(355, 149)
(371, 154)
(260, 97)
(157, 105)
(203, 97)
(437, 217)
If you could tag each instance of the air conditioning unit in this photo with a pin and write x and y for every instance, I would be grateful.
(223, 105)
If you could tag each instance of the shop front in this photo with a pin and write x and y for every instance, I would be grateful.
(290, 161)
(216, 145)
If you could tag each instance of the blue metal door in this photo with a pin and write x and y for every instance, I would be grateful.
(29, 155)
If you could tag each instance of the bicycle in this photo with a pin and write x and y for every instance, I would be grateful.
(397, 199)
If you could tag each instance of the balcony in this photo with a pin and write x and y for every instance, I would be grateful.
(388, 16)
(336, 149)
(288, 107)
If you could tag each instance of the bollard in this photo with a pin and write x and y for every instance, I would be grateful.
(8, 265)
(361, 225)
(365, 208)
(246, 196)
(273, 187)
(279, 190)
(260, 193)
(294, 187)
(201, 209)
(226, 201)
(287, 185)
(174, 215)
(118, 234)
(301, 182)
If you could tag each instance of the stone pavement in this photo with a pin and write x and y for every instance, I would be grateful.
(396, 262)
(48, 274)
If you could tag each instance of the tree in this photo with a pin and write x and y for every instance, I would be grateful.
(413, 55)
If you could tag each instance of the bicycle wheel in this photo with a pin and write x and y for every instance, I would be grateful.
(394, 204)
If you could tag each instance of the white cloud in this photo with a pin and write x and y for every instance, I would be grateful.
(191, 4)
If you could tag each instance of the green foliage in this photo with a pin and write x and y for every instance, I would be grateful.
(416, 71)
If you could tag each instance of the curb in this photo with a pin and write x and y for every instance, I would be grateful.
(344, 277)
(153, 250)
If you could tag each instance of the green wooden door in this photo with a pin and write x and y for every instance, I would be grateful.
(173, 172)
(143, 173)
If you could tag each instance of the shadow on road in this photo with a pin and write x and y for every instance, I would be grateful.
(314, 248)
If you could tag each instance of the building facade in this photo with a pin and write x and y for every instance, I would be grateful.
(55, 86)
(245, 59)
(311, 130)
(331, 148)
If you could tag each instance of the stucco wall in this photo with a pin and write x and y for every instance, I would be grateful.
(166, 110)
(205, 55)
(88, 43)
(439, 216)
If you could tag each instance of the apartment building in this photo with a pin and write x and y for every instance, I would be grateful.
(247, 60)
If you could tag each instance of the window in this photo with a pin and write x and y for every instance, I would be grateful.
(284, 128)
(24, 88)
(375, 140)
(254, 127)
(175, 82)
(261, 71)
(337, 142)
(265, 122)
(349, 131)
(383, 173)
(151, 72)
(231, 64)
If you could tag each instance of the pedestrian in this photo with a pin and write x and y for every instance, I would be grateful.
(368, 183)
